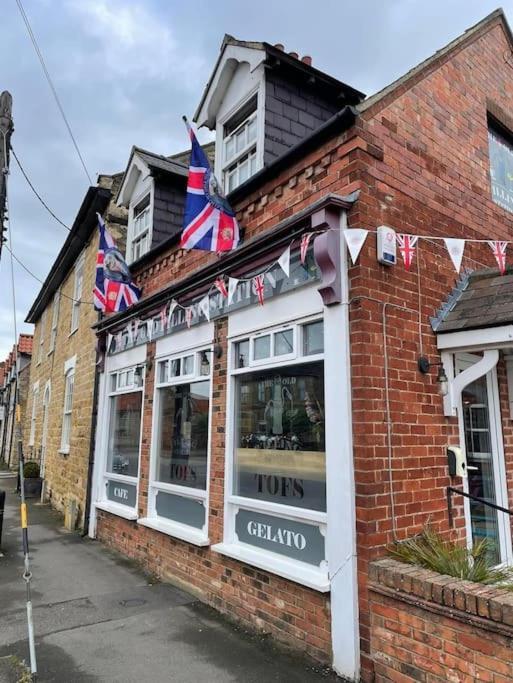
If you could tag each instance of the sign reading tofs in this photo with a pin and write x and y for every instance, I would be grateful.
(296, 540)
(125, 494)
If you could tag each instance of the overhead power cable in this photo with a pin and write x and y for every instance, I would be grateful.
(52, 87)
(27, 270)
(36, 192)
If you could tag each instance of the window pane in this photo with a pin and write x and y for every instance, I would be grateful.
(242, 354)
(229, 148)
(262, 347)
(175, 367)
(163, 372)
(188, 365)
(313, 338)
(183, 443)
(253, 163)
(244, 171)
(124, 434)
(240, 140)
(252, 130)
(280, 452)
(283, 343)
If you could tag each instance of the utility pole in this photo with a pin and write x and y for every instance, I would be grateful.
(6, 129)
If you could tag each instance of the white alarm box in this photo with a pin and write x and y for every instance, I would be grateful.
(386, 246)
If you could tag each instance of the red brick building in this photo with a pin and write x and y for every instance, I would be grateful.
(263, 455)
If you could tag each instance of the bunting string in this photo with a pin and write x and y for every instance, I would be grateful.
(355, 238)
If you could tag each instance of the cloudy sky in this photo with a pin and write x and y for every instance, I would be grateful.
(126, 70)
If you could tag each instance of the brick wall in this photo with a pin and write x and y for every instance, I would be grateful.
(292, 613)
(429, 628)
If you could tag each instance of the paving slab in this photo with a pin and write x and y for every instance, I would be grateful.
(98, 617)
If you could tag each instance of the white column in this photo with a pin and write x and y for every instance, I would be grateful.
(341, 527)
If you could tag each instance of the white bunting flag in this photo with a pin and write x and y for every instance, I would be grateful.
(232, 288)
(172, 307)
(355, 239)
(455, 248)
(136, 324)
(109, 341)
(284, 261)
(129, 334)
(188, 316)
(204, 306)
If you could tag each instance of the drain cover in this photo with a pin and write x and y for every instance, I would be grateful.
(132, 602)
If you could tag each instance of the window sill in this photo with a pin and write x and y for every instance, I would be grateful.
(119, 510)
(181, 531)
(288, 569)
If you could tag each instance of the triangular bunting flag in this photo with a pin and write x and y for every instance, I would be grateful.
(204, 306)
(355, 239)
(109, 341)
(163, 319)
(499, 251)
(407, 244)
(305, 241)
(258, 287)
(284, 261)
(172, 307)
(137, 323)
(232, 288)
(455, 248)
(221, 286)
(129, 335)
(188, 316)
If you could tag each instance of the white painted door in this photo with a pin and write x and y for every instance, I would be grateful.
(481, 437)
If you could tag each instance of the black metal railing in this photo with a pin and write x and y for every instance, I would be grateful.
(452, 489)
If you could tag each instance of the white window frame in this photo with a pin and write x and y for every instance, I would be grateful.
(147, 234)
(296, 570)
(55, 320)
(179, 530)
(78, 288)
(67, 410)
(35, 397)
(125, 384)
(40, 352)
(222, 165)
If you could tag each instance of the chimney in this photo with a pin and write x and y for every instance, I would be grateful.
(294, 55)
(279, 46)
(307, 60)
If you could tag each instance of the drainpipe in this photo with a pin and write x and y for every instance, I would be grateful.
(92, 441)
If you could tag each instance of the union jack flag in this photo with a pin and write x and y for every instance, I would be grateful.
(305, 241)
(259, 287)
(221, 286)
(499, 251)
(407, 244)
(209, 221)
(114, 290)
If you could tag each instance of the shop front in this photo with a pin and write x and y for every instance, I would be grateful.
(224, 447)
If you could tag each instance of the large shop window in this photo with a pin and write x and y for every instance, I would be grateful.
(180, 454)
(125, 397)
(277, 502)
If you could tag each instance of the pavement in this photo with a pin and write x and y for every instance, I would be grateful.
(98, 617)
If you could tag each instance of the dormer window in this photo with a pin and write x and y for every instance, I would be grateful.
(240, 134)
(140, 233)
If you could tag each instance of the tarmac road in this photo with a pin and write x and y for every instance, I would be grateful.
(99, 618)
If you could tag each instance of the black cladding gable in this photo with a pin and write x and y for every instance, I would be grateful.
(293, 111)
(168, 208)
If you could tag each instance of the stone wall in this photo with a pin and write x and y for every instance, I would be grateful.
(430, 628)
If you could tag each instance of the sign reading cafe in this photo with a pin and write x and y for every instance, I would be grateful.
(275, 283)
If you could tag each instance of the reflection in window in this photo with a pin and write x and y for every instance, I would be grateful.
(183, 443)
(124, 434)
(501, 165)
(280, 451)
